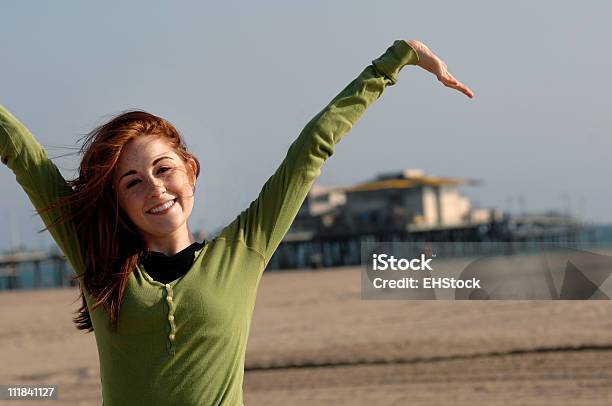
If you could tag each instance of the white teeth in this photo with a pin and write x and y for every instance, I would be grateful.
(163, 207)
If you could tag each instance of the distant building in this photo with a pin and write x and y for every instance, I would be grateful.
(332, 224)
(406, 200)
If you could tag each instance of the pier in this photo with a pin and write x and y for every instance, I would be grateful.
(48, 269)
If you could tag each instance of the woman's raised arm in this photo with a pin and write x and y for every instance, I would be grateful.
(264, 223)
(40, 179)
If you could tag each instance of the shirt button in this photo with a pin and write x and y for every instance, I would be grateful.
(171, 337)
(171, 317)
(168, 286)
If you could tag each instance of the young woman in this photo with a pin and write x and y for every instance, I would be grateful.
(171, 315)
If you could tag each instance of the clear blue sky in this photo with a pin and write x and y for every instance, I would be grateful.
(240, 79)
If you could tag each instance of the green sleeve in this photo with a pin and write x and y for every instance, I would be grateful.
(40, 179)
(265, 222)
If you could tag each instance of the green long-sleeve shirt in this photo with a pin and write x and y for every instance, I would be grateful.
(184, 342)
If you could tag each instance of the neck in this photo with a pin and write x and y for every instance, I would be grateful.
(170, 244)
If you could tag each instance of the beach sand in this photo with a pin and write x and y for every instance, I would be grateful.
(315, 342)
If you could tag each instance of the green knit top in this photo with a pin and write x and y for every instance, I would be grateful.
(184, 342)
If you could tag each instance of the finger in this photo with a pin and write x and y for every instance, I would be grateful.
(468, 92)
(461, 87)
(451, 78)
(465, 90)
(451, 82)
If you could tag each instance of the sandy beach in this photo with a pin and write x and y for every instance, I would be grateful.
(314, 341)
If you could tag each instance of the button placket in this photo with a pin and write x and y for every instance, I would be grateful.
(171, 308)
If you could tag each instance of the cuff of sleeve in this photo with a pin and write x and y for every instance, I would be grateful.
(8, 146)
(395, 58)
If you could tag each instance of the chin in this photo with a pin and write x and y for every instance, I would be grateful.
(164, 228)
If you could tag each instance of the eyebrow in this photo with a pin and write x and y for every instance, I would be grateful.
(132, 171)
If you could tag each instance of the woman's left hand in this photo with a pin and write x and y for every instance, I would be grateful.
(431, 63)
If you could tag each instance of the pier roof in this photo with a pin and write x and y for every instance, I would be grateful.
(405, 183)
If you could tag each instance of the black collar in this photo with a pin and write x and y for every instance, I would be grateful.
(165, 268)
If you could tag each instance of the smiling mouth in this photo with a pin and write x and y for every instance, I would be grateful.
(166, 207)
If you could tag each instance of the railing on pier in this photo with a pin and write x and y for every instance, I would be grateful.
(34, 270)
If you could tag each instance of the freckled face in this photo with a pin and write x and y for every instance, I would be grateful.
(149, 173)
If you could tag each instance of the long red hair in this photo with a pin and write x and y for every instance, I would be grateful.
(110, 243)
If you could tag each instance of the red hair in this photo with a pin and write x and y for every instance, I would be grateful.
(110, 243)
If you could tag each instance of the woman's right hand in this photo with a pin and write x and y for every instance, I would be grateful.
(431, 63)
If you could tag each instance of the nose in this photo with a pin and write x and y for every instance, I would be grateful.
(156, 187)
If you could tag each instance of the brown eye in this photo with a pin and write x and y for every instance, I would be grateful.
(164, 169)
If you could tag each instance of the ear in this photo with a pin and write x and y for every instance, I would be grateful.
(194, 168)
